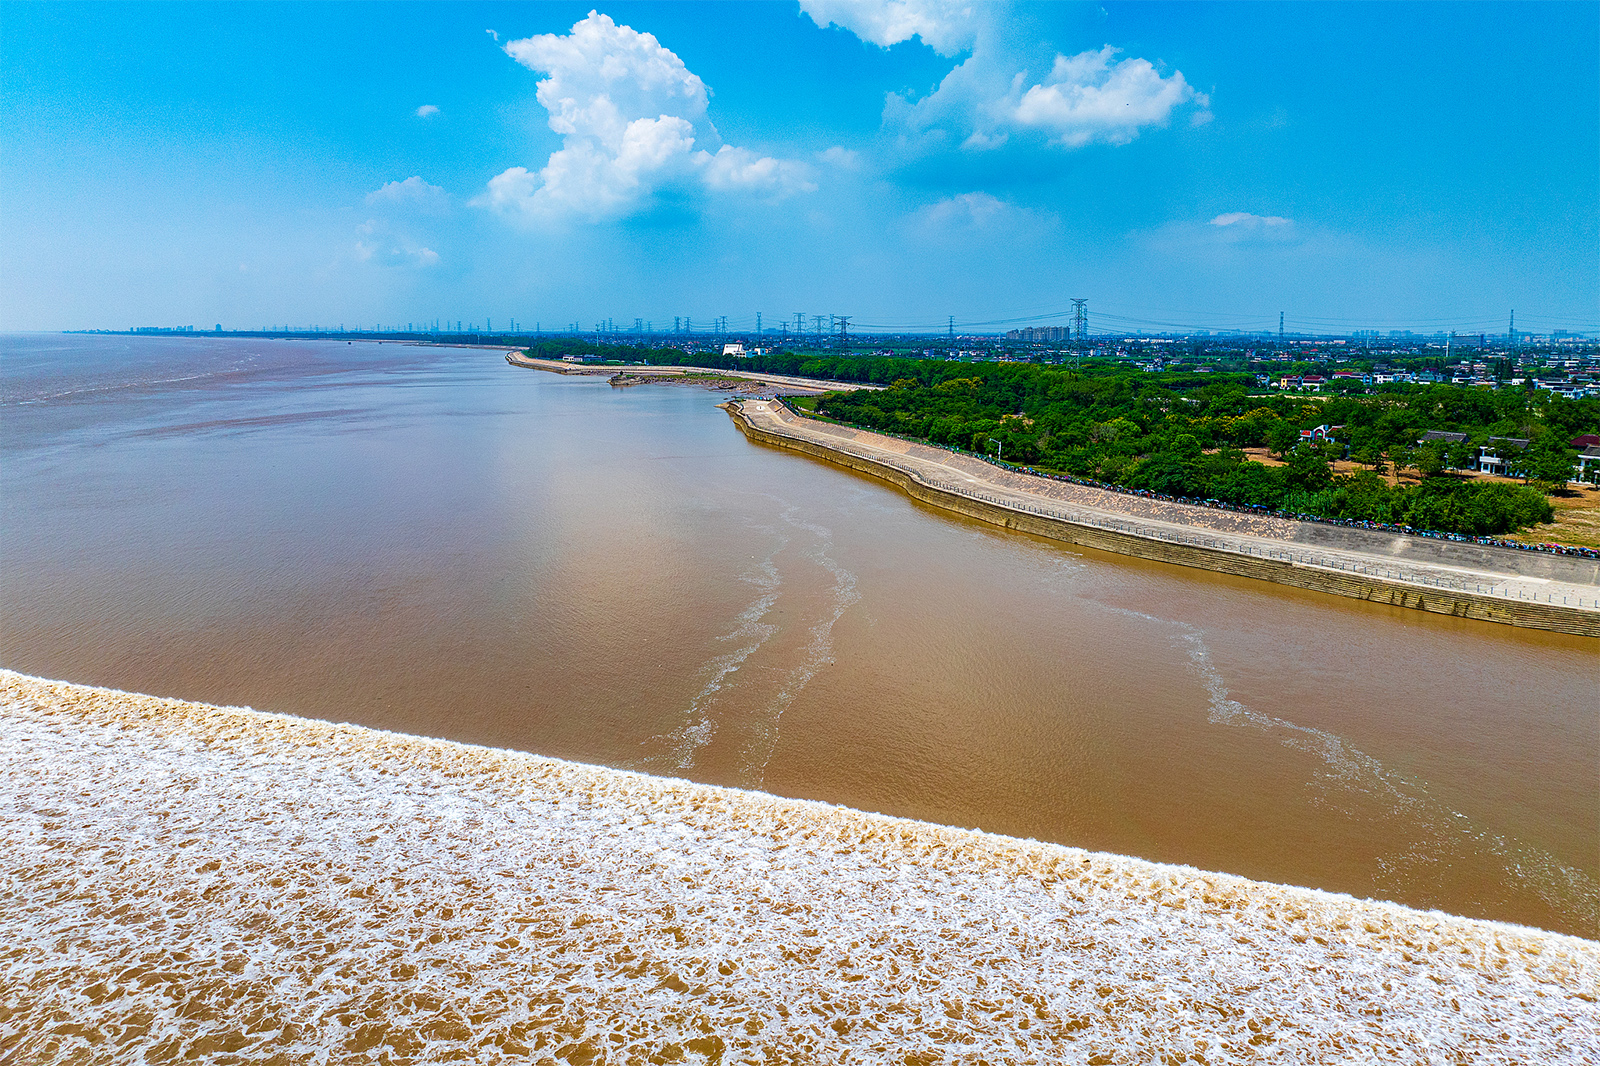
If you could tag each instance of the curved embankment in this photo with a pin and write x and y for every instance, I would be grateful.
(182, 881)
(1438, 600)
(669, 372)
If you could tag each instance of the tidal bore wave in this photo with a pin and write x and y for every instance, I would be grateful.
(183, 881)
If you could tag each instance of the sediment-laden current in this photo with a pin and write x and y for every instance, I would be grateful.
(432, 542)
(181, 881)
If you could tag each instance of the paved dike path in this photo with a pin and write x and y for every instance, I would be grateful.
(1536, 590)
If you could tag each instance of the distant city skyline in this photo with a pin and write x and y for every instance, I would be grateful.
(1183, 167)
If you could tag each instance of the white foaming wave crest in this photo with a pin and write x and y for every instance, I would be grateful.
(751, 633)
(183, 882)
(818, 650)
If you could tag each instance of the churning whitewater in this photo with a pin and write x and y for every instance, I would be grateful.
(186, 881)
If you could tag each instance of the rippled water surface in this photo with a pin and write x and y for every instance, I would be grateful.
(431, 541)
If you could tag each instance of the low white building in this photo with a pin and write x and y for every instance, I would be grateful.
(1490, 457)
(736, 348)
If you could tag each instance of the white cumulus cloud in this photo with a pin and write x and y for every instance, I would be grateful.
(1088, 97)
(991, 96)
(427, 111)
(946, 26)
(632, 118)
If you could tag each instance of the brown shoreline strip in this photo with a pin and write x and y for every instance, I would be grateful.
(1212, 555)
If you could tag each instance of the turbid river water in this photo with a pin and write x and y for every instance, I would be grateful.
(430, 541)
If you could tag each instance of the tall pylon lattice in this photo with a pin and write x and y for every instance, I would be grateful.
(1280, 329)
(844, 329)
(1080, 319)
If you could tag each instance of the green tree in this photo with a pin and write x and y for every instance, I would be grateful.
(1371, 457)
(1461, 455)
(1281, 437)
(1428, 460)
(1307, 470)
(1550, 468)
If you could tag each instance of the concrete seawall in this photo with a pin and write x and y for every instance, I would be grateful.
(1455, 602)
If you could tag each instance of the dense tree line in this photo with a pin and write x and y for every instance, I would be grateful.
(1182, 433)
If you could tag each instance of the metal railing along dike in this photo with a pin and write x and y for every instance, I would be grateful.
(1289, 555)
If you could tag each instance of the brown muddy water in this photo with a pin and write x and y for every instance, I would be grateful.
(431, 541)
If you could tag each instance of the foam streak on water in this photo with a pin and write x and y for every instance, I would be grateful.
(182, 881)
(750, 633)
(1349, 769)
(818, 651)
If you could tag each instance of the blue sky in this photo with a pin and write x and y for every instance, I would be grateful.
(1429, 166)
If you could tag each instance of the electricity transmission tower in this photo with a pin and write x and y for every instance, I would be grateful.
(844, 329)
(816, 321)
(1080, 320)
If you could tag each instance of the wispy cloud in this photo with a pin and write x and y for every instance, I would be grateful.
(412, 192)
(1246, 220)
(427, 111)
(379, 244)
(844, 158)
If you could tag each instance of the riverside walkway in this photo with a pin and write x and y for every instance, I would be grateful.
(1387, 566)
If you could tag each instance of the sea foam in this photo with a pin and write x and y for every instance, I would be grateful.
(184, 881)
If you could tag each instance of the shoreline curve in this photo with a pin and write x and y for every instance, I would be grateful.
(1202, 549)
